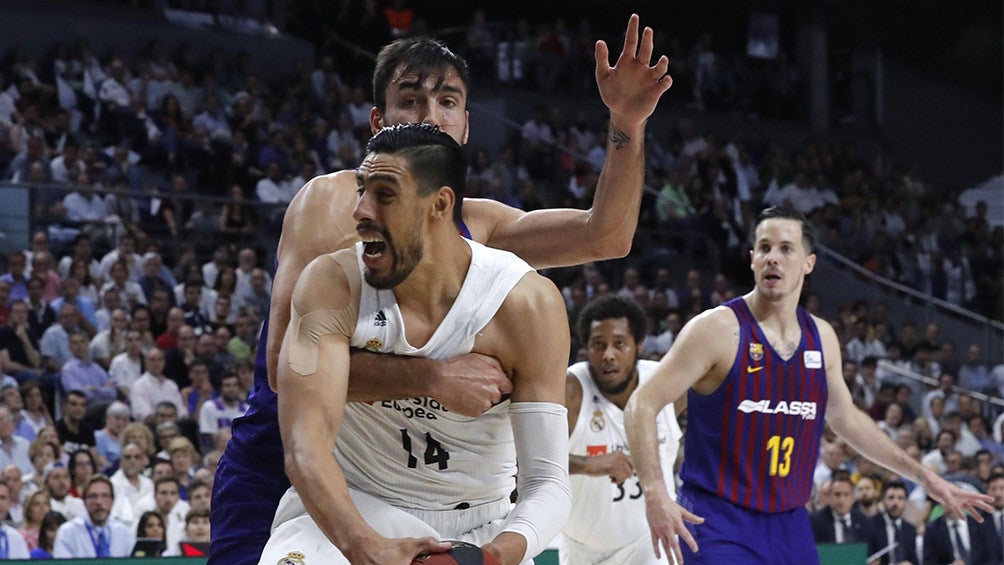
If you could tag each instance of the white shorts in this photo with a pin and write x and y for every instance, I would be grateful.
(638, 552)
(293, 530)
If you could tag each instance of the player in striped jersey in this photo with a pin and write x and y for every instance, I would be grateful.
(760, 375)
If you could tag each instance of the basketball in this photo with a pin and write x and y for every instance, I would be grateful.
(462, 553)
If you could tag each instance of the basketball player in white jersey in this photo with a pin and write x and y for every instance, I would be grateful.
(406, 474)
(607, 525)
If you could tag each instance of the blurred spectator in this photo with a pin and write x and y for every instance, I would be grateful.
(13, 448)
(153, 387)
(85, 307)
(35, 412)
(151, 526)
(15, 276)
(109, 343)
(15, 546)
(36, 506)
(57, 482)
(73, 430)
(220, 412)
(11, 398)
(107, 439)
(84, 376)
(77, 538)
(974, 373)
(126, 367)
(129, 481)
(19, 349)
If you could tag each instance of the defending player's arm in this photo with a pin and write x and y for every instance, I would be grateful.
(313, 374)
(468, 384)
(559, 237)
(615, 465)
(699, 358)
(530, 335)
(853, 425)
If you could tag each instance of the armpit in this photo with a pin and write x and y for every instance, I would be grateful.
(307, 331)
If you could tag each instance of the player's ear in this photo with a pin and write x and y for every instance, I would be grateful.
(376, 120)
(443, 205)
(810, 263)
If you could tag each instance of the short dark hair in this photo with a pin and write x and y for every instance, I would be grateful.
(51, 520)
(895, 483)
(611, 307)
(788, 213)
(422, 54)
(435, 158)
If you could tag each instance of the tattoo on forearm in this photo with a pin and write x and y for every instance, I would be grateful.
(619, 138)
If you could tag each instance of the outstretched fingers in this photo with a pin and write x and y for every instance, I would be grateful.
(647, 46)
(631, 37)
(602, 54)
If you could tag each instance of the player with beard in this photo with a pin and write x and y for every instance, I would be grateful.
(419, 80)
(890, 525)
(608, 511)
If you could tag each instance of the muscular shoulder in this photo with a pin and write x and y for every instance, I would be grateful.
(534, 296)
(319, 218)
(482, 216)
(327, 283)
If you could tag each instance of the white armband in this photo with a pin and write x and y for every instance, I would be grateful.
(540, 430)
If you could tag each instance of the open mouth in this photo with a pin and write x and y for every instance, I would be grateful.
(373, 248)
(772, 277)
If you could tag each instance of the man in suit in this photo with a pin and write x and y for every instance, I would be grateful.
(995, 488)
(839, 522)
(956, 540)
(890, 525)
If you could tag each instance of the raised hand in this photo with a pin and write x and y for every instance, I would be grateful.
(632, 87)
(471, 384)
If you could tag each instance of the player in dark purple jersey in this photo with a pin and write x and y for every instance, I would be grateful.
(760, 375)
(420, 80)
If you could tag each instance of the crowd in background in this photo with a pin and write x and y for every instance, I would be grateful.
(130, 323)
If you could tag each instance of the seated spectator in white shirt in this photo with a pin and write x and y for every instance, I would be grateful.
(12, 541)
(222, 410)
(153, 387)
(13, 448)
(57, 482)
(94, 534)
(129, 481)
(167, 502)
(111, 341)
(11, 475)
(126, 367)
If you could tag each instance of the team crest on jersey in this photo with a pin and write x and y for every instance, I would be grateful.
(813, 359)
(597, 422)
(374, 345)
(756, 351)
(293, 558)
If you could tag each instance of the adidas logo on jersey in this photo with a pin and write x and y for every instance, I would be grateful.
(380, 320)
(805, 409)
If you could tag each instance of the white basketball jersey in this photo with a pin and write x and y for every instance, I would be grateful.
(414, 453)
(605, 515)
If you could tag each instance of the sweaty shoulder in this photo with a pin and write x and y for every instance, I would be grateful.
(319, 218)
(706, 347)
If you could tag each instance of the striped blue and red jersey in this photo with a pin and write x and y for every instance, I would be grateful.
(754, 441)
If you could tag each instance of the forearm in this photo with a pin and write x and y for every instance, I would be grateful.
(545, 496)
(579, 465)
(380, 376)
(33, 356)
(640, 424)
(614, 214)
(858, 429)
(321, 485)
